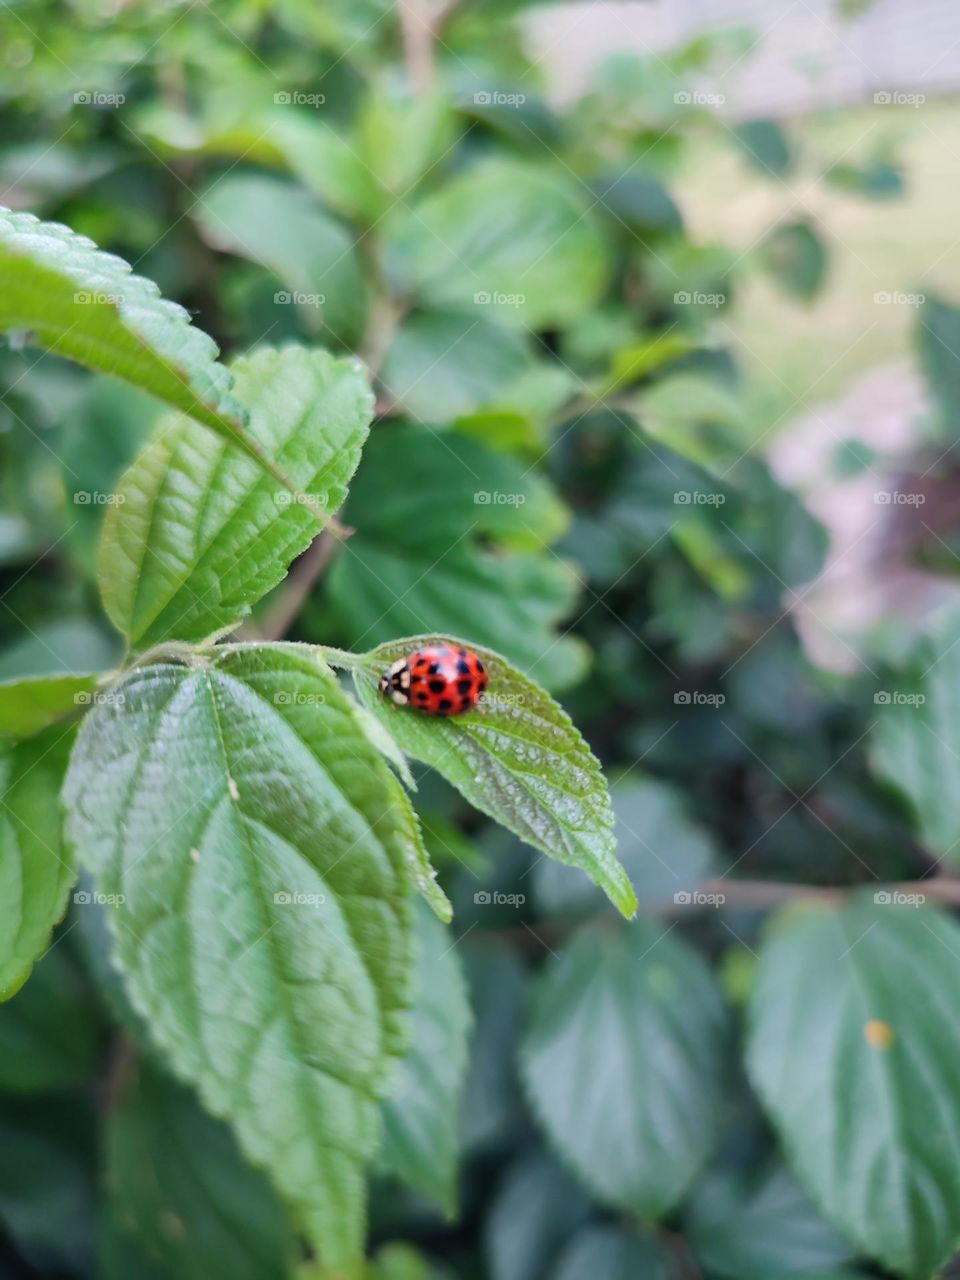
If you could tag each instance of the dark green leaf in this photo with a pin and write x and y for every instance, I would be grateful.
(623, 1063)
(853, 1048)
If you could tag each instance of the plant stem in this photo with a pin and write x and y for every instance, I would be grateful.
(300, 582)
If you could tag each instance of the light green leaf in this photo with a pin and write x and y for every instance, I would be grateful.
(755, 1227)
(623, 1064)
(87, 305)
(399, 138)
(35, 870)
(30, 704)
(916, 739)
(443, 365)
(325, 163)
(263, 850)
(662, 850)
(199, 533)
(178, 1182)
(853, 1047)
(464, 550)
(520, 760)
(271, 222)
(421, 1114)
(503, 238)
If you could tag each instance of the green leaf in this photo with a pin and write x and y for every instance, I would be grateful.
(421, 1116)
(609, 1253)
(281, 227)
(325, 163)
(264, 851)
(513, 240)
(755, 1227)
(519, 759)
(464, 550)
(199, 533)
(48, 1032)
(638, 200)
(916, 739)
(623, 1063)
(853, 1046)
(537, 1209)
(938, 342)
(35, 870)
(491, 1100)
(662, 850)
(442, 365)
(178, 1182)
(34, 702)
(796, 255)
(400, 138)
(87, 305)
(767, 146)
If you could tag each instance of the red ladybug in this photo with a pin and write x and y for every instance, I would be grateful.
(439, 679)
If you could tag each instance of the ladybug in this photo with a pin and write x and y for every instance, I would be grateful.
(439, 680)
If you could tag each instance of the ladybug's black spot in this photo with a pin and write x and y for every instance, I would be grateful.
(421, 697)
(462, 653)
(433, 668)
(480, 667)
(464, 686)
(444, 705)
(438, 686)
(463, 668)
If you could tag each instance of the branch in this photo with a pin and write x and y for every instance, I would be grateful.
(418, 33)
(300, 582)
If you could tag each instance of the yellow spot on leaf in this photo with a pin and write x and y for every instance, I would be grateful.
(878, 1035)
(233, 789)
(195, 854)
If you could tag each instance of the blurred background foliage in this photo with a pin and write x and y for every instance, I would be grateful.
(593, 322)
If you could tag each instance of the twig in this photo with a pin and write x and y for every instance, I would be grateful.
(300, 582)
(417, 31)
